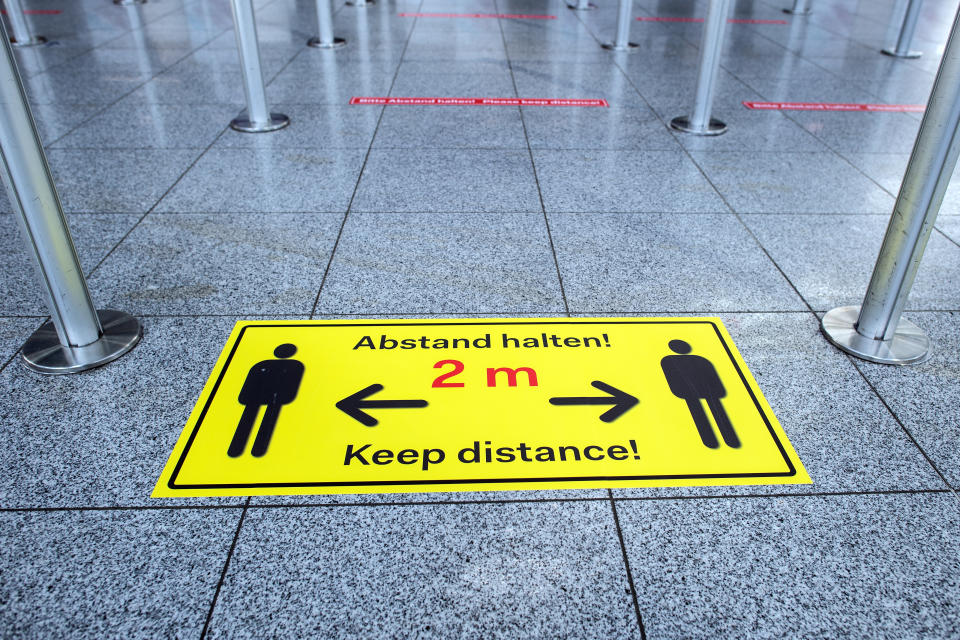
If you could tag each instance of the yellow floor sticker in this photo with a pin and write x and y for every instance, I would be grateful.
(310, 407)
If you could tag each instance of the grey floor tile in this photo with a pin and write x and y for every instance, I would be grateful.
(447, 180)
(888, 169)
(116, 574)
(135, 124)
(564, 80)
(449, 127)
(444, 66)
(924, 396)
(860, 131)
(13, 333)
(460, 51)
(259, 180)
(803, 86)
(333, 86)
(94, 236)
(824, 567)
(659, 263)
(455, 85)
(490, 263)
(829, 259)
(596, 128)
(226, 61)
(623, 181)
(194, 87)
(949, 227)
(314, 126)
(768, 182)
(101, 438)
(74, 86)
(753, 130)
(115, 180)
(240, 263)
(56, 120)
(673, 96)
(497, 571)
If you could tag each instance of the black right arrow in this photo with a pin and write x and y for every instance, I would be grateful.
(622, 402)
(352, 405)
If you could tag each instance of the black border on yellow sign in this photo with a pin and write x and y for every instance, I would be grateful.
(258, 485)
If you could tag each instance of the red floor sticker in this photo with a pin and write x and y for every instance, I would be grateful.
(732, 20)
(37, 12)
(832, 106)
(490, 102)
(514, 16)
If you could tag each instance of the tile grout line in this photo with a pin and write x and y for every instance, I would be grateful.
(363, 167)
(857, 365)
(439, 503)
(626, 564)
(533, 164)
(183, 173)
(99, 112)
(720, 195)
(101, 44)
(223, 573)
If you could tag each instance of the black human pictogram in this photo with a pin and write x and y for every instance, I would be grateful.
(270, 383)
(693, 378)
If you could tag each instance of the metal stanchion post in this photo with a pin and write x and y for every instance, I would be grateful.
(800, 8)
(22, 36)
(902, 48)
(78, 337)
(581, 5)
(711, 44)
(622, 41)
(875, 331)
(258, 118)
(325, 40)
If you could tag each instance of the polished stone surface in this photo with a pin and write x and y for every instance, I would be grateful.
(796, 567)
(365, 212)
(440, 571)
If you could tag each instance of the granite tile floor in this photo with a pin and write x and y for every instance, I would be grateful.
(372, 211)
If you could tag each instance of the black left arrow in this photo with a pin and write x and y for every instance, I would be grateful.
(352, 404)
(622, 402)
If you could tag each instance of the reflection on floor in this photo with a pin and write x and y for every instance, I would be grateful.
(448, 211)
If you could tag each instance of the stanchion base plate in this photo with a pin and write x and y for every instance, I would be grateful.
(798, 13)
(590, 7)
(129, 2)
(32, 42)
(277, 121)
(630, 47)
(893, 53)
(316, 44)
(360, 5)
(715, 128)
(43, 352)
(909, 345)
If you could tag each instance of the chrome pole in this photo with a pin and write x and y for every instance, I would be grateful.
(78, 337)
(875, 331)
(22, 36)
(800, 8)
(622, 40)
(910, 17)
(711, 45)
(325, 40)
(258, 118)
